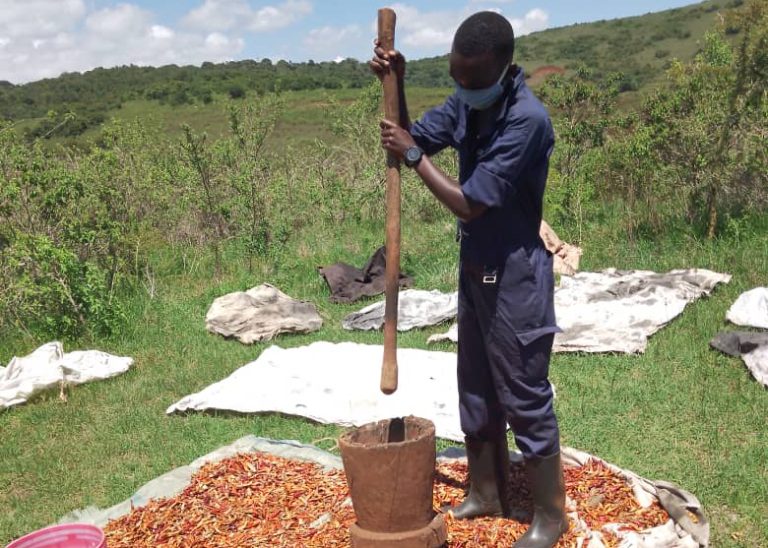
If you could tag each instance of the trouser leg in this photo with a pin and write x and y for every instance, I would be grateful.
(481, 413)
(525, 393)
(521, 372)
(483, 421)
(500, 379)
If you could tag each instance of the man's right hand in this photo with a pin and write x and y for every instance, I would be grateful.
(384, 61)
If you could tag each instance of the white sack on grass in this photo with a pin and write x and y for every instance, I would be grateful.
(48, 366)
(750, 309)
(415, 308)
(452, 335)
(757, 363)
(338, 383)
(679, 532)
(616, 311)
(260, 314)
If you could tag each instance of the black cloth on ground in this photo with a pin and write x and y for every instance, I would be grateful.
(348, 283)
(736, 343)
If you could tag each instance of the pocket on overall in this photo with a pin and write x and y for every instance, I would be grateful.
(525, 303)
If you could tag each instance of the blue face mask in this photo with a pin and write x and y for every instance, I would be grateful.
(481, 99)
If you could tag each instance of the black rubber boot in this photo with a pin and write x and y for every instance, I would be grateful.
(488, 480)
(545, 477)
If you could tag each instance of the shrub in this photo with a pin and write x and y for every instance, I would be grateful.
(236, 92)
(50, 291)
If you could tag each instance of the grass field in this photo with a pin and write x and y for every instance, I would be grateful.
(680, 412)
(305, 118)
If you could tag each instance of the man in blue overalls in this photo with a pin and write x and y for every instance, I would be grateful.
(506, 307)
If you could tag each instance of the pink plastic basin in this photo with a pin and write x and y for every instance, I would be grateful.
(70, 535)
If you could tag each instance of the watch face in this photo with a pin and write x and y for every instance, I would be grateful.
(412, 154)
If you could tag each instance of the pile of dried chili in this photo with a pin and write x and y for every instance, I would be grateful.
(252, 499)
(595, 492)
(256, 499)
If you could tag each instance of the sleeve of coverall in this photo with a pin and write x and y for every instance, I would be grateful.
(523, 140)
(434, 131)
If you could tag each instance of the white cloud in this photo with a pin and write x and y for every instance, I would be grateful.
(431, 32)
(534, 20)
(218, 15)
(217, 41)
(38, 18)
(325, 41)
(62, 36)
(430, 36)
(221, 15)
(122, 19)
(43, 38)
(271, 18)
(160, 32)
(64, 40)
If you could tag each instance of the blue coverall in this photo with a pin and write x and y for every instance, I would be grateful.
(506, 284)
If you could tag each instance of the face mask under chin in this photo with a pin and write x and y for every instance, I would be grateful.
(481, 99)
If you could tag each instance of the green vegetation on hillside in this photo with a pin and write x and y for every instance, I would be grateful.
(640, 48)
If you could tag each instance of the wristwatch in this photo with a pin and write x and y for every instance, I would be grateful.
(413, 156)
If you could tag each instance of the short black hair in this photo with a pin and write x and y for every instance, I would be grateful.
(483, 32)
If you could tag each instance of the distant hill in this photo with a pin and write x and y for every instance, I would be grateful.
(639, 47)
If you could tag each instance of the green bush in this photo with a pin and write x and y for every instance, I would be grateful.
(697, 150)
(236, 92)
(50, 291)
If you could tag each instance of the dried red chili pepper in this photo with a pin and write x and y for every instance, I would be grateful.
(258, 499)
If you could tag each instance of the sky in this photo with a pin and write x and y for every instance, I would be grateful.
(43, 38)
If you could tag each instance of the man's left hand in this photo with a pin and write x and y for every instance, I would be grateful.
(395, 139)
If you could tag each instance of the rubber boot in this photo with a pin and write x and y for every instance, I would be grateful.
(488, 480)
(545, 477)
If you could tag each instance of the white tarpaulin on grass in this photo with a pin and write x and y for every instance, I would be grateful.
(750, 309)
(260, 314)
(415, 308)
(616, 311)
(49, 367)
(338, 383)
(679, 532)
(757, 363)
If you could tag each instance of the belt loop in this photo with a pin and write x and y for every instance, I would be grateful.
(490, 274)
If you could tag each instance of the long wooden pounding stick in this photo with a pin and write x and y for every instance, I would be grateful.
(392, 275)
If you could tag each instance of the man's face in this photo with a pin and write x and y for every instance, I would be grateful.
(478, 72)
